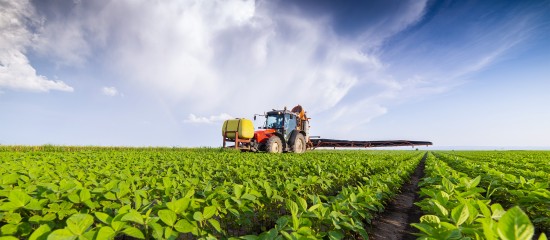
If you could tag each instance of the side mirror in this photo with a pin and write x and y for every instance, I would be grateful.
(254, 117)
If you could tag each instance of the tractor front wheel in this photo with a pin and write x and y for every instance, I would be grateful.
(274, 145)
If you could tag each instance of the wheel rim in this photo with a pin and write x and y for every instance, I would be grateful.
(299, 146)
(275, 147)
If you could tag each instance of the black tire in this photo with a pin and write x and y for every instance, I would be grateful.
(274, 145)
(299, 144)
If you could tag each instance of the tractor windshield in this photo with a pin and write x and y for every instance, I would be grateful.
(274, 121)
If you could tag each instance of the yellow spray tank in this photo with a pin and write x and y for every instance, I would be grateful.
(239, 130)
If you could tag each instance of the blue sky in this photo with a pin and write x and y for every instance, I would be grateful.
(166, 73)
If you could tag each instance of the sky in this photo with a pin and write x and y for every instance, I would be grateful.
(167, 73)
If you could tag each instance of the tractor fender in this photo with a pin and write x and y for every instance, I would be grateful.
(293, 136)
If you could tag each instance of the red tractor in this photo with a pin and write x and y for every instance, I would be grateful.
(283, 131)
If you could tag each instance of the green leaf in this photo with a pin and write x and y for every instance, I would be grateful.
(488, 225)
(106, 233)
(312, 208)
(19, 198)
(448, 185)
(335, 235)
(238, 190)
(34, 204)
(198, 216)
(41, 233)
(117, 225)
(9, 206)
(215, 224)
(268, 190)
(133, 232)
(168, 216)
(179, 205)
(62, 234)
(9, 229)
(73, 197)
(287, 235)
(85, 195)
(8, 238)
(110, 196)
(303, 204)
(248, 196)
(104, 217)
(9, 179)
(441, 210)
(293, 207)
(79, 223)
(304, 231)
(543, 237)
(133, 216)
(460, 214)
(295, 223)
(515, 224)
(48, 217)
(248, 237)
(474, 182)
(24, 229)
(157, 230)
(209, 212)
(472, 212)
(184, 226)
(425, 228)
(89, 235)
(169, 233)
(282, 222)
(138, 202)
(497, 210)
(190, 193)
(430, 219)
(13, 218)
(484, 209)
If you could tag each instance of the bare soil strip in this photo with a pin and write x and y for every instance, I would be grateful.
(394, 222)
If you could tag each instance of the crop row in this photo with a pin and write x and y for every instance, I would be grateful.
(529, 164)
(193, 193)
(531, 194)
(456, 208)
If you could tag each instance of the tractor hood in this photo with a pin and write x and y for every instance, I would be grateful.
(263, 134)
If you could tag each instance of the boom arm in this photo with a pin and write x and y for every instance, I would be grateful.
(334, 143)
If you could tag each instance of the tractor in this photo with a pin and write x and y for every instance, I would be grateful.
(283, 131)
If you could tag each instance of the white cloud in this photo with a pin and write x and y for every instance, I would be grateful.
(16, 72)
(64, 42)
(208, 120)
(110, 91)
(209, 55)
(213, 51)
(243, 57)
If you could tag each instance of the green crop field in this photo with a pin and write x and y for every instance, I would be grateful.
(465, 194)
(53, 192)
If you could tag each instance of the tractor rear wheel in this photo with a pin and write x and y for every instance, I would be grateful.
(299, 145)
(274, 145)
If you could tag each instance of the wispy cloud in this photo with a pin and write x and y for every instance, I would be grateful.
(15, 70)
(110, 91)
(207, 120)
(455, 42)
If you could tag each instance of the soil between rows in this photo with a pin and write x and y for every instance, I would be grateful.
(395, 222)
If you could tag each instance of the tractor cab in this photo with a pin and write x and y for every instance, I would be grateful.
(284, 122)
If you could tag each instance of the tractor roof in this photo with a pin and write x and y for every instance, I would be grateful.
(276, 112)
